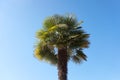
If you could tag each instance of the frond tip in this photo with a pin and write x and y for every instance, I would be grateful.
(81, 55)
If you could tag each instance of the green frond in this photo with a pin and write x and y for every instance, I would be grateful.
(51, 58)
(45, 52)
(52, 21)
(49, 22)
(78, 39)
(37, 54)
(75, 32)
(39, 33)
(71, 21)
(76, 59)
(53, 28)
(81, 55)
(84, 44)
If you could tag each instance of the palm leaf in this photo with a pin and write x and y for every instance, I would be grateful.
(46, 52)
(81, 55)
(76, 59)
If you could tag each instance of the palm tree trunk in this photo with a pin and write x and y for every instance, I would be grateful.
(62, 64)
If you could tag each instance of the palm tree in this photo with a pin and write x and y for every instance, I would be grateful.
(61, 39)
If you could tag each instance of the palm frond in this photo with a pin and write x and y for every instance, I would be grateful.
(52, 21)
(78, 38)
(76, 59)
(78, 56)
(70, 20)
(81, 55)
(46, 52)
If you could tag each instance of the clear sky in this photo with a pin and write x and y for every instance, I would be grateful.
(20, 19)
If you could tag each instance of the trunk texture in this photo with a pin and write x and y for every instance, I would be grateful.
(62, 63)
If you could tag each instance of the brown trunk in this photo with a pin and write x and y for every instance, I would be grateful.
(62, 63)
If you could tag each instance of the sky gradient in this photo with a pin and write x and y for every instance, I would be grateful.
(20, 19)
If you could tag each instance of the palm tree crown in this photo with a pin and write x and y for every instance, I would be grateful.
(61, 32)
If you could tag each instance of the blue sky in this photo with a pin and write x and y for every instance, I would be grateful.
(20, 19)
